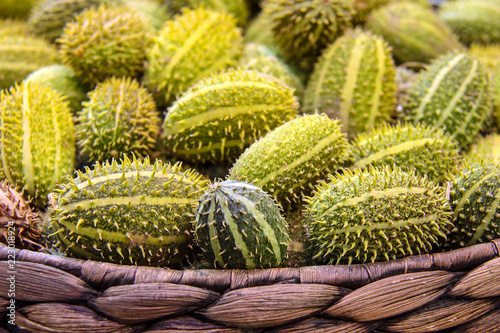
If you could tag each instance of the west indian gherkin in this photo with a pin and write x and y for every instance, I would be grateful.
(37, 139)
(104, 42)
(414, 32)
(191, 46)
(288, 161)
(353, 81)
(303, 28)
(62, 79)
(426, 149)
(486, 146)
(473, 21)
(16, 8)
(21, 55)
(13, 27)
(155, 12)
(239, 9)
(240, 226)
(362, 8)
(217, 118)
(119, 118)
(475, 199)
(129, 212)
(454, 93)
(375, 214)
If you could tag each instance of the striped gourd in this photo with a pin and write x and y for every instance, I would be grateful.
(127, 212)
(224, 113)
(240, 226)
(37, 139)
(22, 55)
(189, 47)
(426, 149)
(353, 81)
(475, 200)
(289, 160)
(454, 93)
(374, 214)
(414, 32)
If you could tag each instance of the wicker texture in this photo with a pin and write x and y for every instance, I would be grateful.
(457, 291)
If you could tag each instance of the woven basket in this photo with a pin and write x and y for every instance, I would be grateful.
(457, 291)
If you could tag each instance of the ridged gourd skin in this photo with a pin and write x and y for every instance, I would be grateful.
(104, 42)
(475, 202)
(486, 146)
(21, 55)
(414, 32)
(426, 149)
(454, 93)
(191, 46)
(37, 139)
(288, 161)
(239, 9)
(221, 115)
(260, 58)
(240, 226)
(15, 212)
(16, 8)
(354, 82)
(119, 118)
(473, 21)
(376, 214)
(303, 28)
(62, 79)
(129, 212)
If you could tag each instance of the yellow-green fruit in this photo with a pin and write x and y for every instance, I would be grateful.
(119, 118)
(486, 146)
(414, 32)
(259, 31)
(473, 21)
(16, 8)
(104, 42)
(288, 161)
(191, 46)
(354, 82)
(22, 55)
(12, 28)
(155, 13)
(362, 8)
(376, 214)
(129, 212)
(223, 114)
(37, 139)
(454, 93)
(62, 79)
(426, 149)
(237, 8)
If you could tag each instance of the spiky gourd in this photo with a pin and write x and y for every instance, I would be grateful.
(375, 214)
(473, 21)
(454, 93)
(475, 202)
(104, 42)
(16, 8)
(191, 46)
(37, 139)
(62, 79)
(21, 55)
(303, 28)
(353, 81)
(20, 224)
(237, 8)
(427, 150)
(288, 161)
(240, 226)
(486, 146)
(223, 114)
(414, 32)
(127, 212)
(119, 118)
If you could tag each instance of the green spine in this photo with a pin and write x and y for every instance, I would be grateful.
(454, 93)
(222, 114)
(37, 140)
(127, 212)
(240, 226)
(426, 149)
(380, 213)
(119, 118)
(288, 161)
(414, 32)
(475, 199)
(191, 46)
(353, 81)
